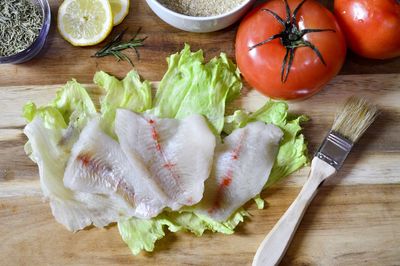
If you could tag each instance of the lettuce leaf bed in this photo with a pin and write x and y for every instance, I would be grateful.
(189, 86)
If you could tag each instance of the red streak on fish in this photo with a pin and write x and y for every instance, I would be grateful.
(226, 181)
(235, 153)
(155, 136)
(86, 160)
(169, 165)
(227, 178)
(158, 147)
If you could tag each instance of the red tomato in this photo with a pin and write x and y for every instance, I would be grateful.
(308, 72)
(372, 27)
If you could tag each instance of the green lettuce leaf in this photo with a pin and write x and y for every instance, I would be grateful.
(72, 103)
(129, 93)
(51, 116)
(141, 234)
(75, 104)
(259, 202)
(191, 86)
(69, 111)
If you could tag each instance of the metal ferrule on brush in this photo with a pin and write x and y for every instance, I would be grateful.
(334, 149)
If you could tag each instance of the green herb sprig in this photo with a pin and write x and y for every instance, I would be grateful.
(116, 46)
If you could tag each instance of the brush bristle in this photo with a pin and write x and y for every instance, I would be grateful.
(357, 115)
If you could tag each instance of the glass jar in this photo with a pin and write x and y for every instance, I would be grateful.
(38, 44)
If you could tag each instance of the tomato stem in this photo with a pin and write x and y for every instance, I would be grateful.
(276, 16)
(291, 37)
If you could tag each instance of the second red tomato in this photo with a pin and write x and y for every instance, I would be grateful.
(372, 28)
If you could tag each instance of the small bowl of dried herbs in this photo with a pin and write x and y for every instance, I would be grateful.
(200, 15)
(24, 25)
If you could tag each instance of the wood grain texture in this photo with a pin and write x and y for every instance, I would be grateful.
(345, 225)
(353, 220)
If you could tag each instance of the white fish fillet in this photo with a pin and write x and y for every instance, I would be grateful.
(74, 210)
(241, 168)
(98, 166)
(177, 153)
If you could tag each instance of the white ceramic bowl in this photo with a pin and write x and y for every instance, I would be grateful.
(199, 24)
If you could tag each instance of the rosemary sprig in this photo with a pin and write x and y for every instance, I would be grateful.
(116, 46)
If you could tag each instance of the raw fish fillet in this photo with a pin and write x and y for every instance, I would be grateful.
(177, 153)
(75, 210)
(99, 166)
(241, 168)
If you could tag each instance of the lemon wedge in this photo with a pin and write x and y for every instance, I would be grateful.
(85, 22)
(120, 9)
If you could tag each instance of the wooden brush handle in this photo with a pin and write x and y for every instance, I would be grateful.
(274, 245)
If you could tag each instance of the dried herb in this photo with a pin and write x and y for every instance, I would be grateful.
(116, 46)
(20, 24)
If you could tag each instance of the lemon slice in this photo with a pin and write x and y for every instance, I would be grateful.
(85, 22)
(120, 9)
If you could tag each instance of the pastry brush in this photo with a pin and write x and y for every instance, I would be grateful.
(349, 125)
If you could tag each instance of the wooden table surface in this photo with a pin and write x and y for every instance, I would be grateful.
(355, 218)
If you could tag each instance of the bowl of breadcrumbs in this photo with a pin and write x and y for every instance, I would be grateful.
(200, 15)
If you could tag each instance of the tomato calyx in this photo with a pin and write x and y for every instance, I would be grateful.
(291, 37)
